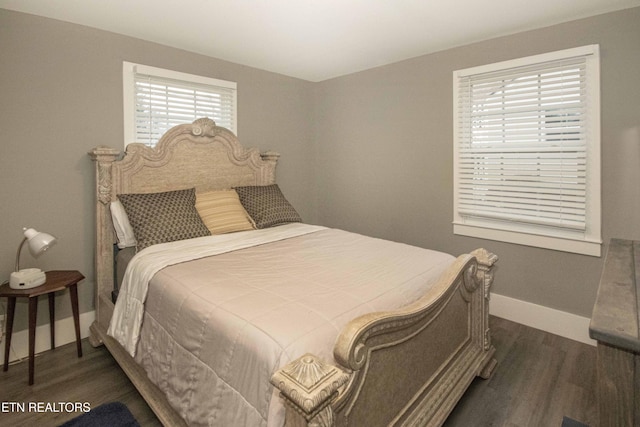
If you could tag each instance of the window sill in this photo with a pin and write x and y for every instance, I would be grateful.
(584, 247)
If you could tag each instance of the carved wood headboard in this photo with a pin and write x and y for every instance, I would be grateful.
(199, 155)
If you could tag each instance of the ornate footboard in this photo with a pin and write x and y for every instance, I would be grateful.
(405, 367)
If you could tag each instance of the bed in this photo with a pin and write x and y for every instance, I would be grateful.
(280, 321)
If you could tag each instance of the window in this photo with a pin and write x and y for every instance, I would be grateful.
(156, 100)
(527, 151)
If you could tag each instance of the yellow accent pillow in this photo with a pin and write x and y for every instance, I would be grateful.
(222, 212)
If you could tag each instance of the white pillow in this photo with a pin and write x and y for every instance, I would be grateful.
(121, 224)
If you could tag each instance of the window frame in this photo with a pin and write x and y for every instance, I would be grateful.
(129, 71)
(587, 242)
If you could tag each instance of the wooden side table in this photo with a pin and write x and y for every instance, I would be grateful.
(56, 281)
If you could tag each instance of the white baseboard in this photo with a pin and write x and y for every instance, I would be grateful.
(536, 316)
(547, 319)
(64, 330)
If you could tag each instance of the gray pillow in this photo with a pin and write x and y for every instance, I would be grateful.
(163, 217)
(267, 205)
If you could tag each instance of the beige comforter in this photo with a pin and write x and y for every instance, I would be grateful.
(215, 329)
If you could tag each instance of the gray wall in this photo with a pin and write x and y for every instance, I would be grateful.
(379, 140)
(384, 154)
(61, 95)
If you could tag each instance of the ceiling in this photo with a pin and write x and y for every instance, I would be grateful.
(316, 39)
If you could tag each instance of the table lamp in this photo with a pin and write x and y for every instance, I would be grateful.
(31, 277)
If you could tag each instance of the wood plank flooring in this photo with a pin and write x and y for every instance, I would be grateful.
(539, 379)
(60, 376)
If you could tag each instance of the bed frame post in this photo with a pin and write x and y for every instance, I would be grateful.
(308, 386)
(486, 265)
(104, 158)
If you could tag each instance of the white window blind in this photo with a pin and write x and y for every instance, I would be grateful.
(159, 99)
(527, 149)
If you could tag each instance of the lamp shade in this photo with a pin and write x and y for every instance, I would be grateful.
(31, 277)
(38, 242)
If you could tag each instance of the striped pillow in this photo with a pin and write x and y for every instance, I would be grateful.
(222, 212)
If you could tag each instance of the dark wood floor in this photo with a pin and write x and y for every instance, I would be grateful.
(60, 376)
(539, 379)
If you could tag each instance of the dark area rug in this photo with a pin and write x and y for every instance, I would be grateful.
(114, 414)
(568, 422)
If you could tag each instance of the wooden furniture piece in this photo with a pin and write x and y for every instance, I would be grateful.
(615, 324)
(56, 281)
(405, 367)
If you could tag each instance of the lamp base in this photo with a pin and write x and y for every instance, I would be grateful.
(27, 278)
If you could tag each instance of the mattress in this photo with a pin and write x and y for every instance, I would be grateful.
(214, 329)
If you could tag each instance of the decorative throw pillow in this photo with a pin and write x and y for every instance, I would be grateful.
(222, 212)
(267, 206)
(163, 217)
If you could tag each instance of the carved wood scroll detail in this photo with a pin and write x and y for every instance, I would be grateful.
(486, 260)
(309, 385)
(205, 127)
(104, 156)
